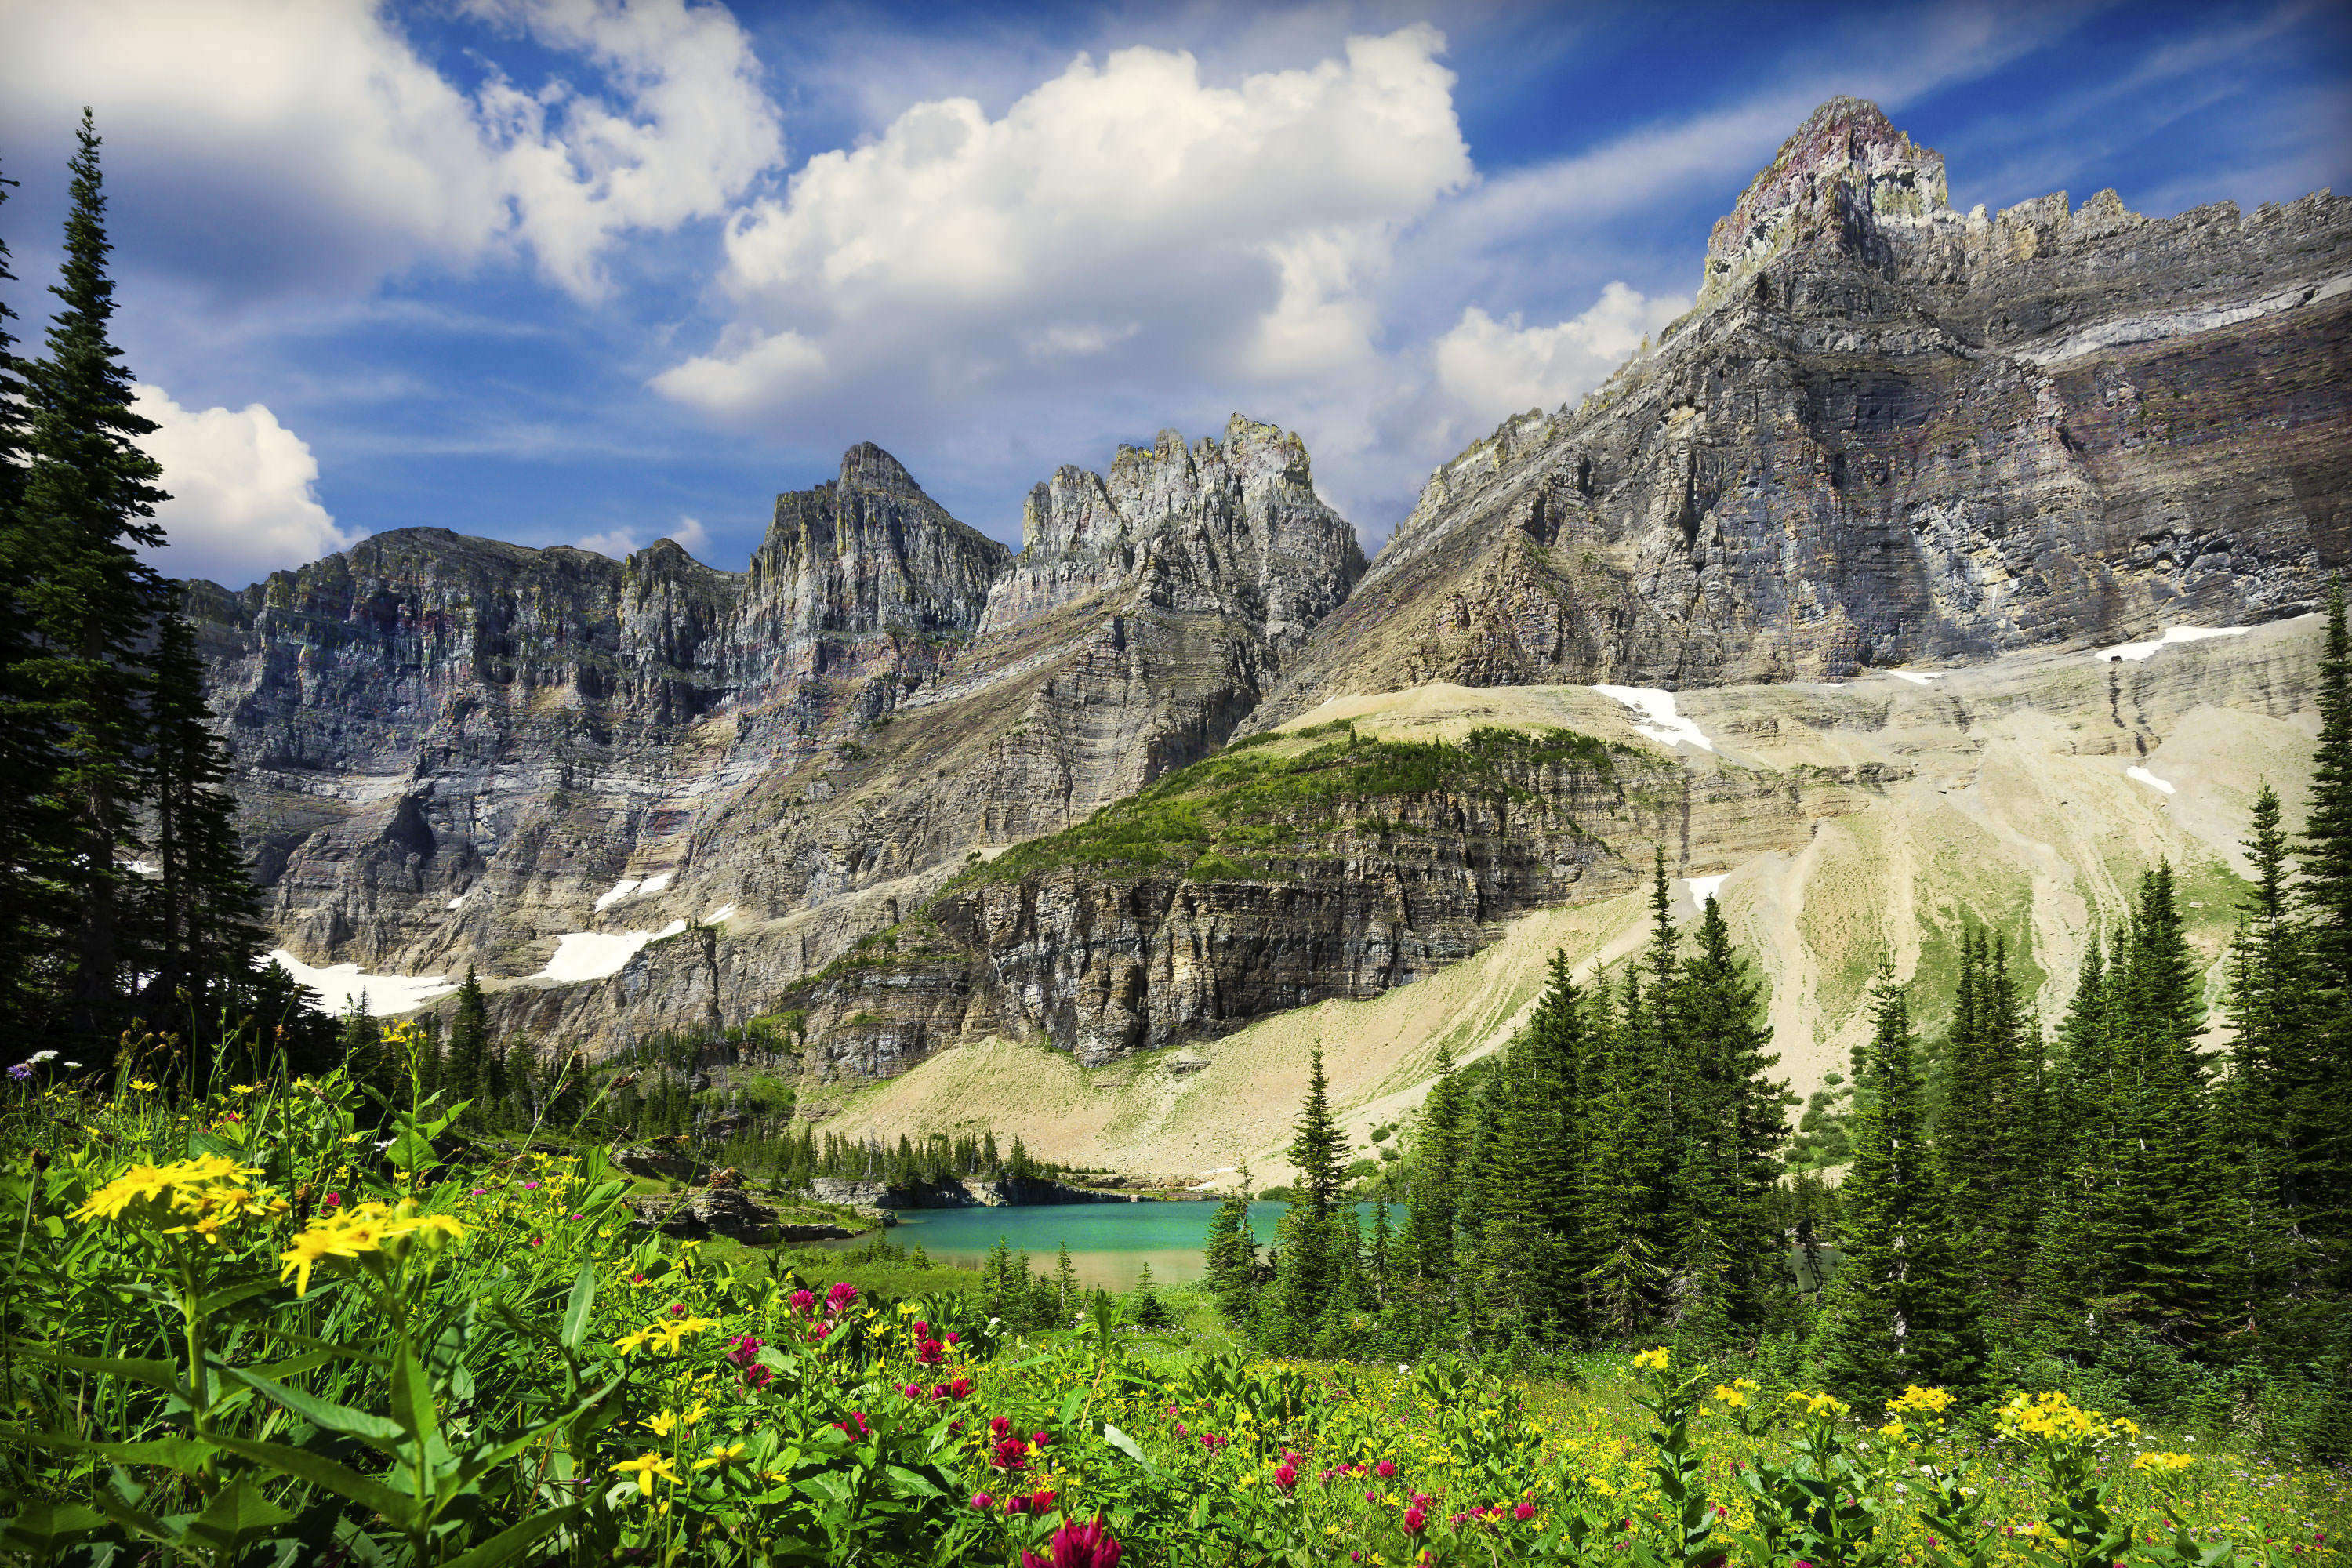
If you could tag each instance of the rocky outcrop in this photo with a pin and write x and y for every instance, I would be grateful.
(728, 1212)
(957, 1192)
(1332, 871)
(1892, 433)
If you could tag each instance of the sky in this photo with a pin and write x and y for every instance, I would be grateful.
(593, 273)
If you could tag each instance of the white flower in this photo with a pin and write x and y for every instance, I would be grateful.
(38, 1058)
(70, 1064)
(1402, 1369)
(382, 1144)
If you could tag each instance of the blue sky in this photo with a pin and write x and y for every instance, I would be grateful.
(569, 271)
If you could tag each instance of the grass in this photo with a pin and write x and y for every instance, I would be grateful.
(1281, 797)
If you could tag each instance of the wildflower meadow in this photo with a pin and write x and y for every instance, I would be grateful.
(271, 1325)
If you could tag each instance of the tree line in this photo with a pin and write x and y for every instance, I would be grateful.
(125, 899)
(2111, 1196)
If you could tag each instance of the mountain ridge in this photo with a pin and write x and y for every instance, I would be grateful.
(1888, 435)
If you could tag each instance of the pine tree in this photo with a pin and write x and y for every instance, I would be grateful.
(1734, 1128)
(1529, 1234)
(2315, 1078)
(1902, 1310)
(36, 910)
(466, 1066)
(1230, 1257)
(1627, 1181)
(201, 934)
(88, 498)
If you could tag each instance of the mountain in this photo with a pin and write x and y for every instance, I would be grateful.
(1888, 433)
(1186, 763)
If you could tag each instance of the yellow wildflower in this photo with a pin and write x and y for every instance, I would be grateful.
(1732, 1397)
(630, 1343)
(1921, 1401)
(2163, 1464)
(663, 1424)
(141, 1083)
(645, 1467)
(1656, 1358)
(720, 1454)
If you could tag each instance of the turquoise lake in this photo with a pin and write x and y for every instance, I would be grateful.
(1110, 1243)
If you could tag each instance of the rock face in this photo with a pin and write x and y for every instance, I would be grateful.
(725, 1212)
(1890, 433)
(858, 784)
(455, 751)
(1011, 1192)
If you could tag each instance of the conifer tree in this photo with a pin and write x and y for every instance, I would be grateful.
(1532, 1260)
(1310, 1238)
(1735, 1127)
(466, 1066)
(1902, 1310)
(2315, 1078)
(87, 506)
(1436, 1168)
(36, 911)
(200, 934)
(1626, 1187)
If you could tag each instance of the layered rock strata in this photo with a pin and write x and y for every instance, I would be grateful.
(1892, 433)
(1889, 434)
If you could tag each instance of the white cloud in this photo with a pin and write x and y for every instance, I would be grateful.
(1121, 215)
(284, 143)
(1486, 369)
(243, 501)
(623, 542)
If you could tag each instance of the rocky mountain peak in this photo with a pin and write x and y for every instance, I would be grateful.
(1847, 178)
(867, 467)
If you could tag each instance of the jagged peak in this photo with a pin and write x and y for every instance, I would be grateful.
(866, 467)
(1845, 174)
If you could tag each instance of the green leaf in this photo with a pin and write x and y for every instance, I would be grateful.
(236, 1518)
(576, 1310)
(279, 1370)
(163, 1374)
(43, 1528)
(185, 1455)
(905, 1482)
(207, 1305)
(512, 1542)
(372, 1430)
(1126, 1444)
(321, 1471)
(412, 1399)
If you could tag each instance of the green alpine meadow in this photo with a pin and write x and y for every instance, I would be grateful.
(1749, 969)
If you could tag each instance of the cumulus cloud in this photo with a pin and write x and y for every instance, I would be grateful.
(1122, 214)
(244, 497)
(1485, 369)
(284, 145)
(620, 544)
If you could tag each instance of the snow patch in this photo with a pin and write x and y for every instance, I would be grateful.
(593, 955)
(2136, 651)
(1919, 677)
(459, 901)
(1705, 887)
(2148, 779)
(141, 868)
(620, 890)
(720, 913)
(1658, 707)
(341, 986)
(654, 884)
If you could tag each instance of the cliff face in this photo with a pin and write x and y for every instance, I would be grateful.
(919, 789)
(1891, 432)
(454, 751)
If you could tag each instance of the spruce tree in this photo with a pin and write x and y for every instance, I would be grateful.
(1627, 1181)
(37, 908)
(466, 1065)
(1734, 1128)
(1309, 1234)
(92, 604)
(1902, 1310)
(201, 935)
(2315, 1078)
